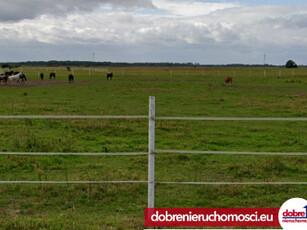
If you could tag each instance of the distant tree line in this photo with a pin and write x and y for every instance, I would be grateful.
(54, 63)
(9, 66)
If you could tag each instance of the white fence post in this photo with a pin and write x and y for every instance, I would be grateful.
(151, 153)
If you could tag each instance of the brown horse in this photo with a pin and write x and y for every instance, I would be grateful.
(228, 80)
(52, 75)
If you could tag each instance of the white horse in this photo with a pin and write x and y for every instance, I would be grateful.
(18, 77)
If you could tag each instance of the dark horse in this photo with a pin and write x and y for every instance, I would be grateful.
(9, 73)
(109, 75)
(23, 77)
(42, 76)
(71, 78)
(3, 78)
(52, 75)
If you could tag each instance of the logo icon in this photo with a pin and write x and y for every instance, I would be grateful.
(293, 214)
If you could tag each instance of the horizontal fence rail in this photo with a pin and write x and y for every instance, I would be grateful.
(157, 182)
(227, 152)
(74, 154)
(232, 183)
(72, 117)
(156, 118)
(156, 151)
(73, 182)
(234, 118)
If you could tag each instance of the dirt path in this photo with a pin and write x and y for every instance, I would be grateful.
(33, 83)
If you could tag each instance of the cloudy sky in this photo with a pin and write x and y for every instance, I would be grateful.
(199, 31)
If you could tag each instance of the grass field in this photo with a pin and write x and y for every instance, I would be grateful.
(179, 92)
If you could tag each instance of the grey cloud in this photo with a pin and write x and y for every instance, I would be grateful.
(130, 4)
(294, 21)
(16, 10)
(299, 21)
(240, 34)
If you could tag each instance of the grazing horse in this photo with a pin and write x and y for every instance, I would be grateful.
(18, 77)
(9, 73)
(109, 75)
(52, 75)
(23, 77)
(71, 78)
(3, 78)
(42, 76)
(228, 80)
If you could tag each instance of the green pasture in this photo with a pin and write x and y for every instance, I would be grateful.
(255, 92)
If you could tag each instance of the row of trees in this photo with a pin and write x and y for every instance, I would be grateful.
(289, 64)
